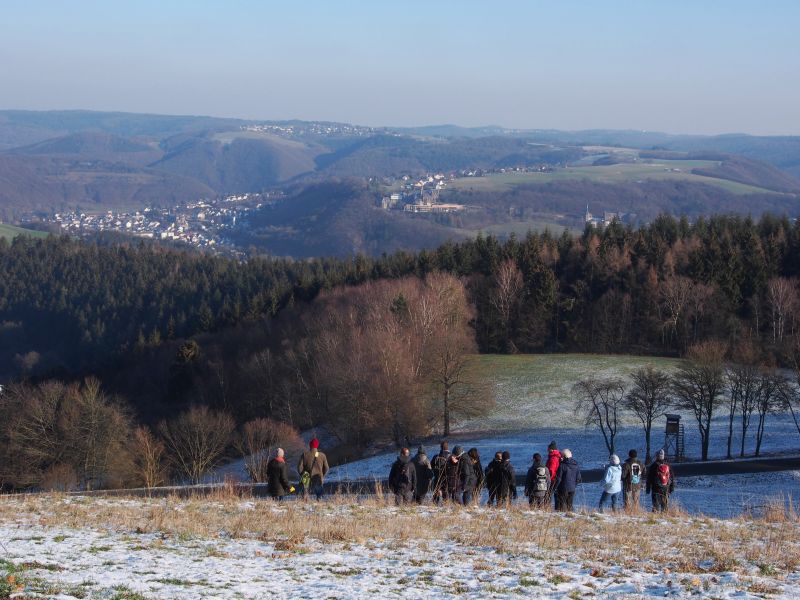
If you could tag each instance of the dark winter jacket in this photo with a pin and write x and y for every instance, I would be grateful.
(424, 473)
(439, 467)
(627, 484)
(492, 477)
(654, 481)
(469, 481)
(568, 476)
(403, 477)
(507, 487)
(454, 481)
(553, 461)
(532, 479)
(278, 477)
(477, 467)
(316, 463)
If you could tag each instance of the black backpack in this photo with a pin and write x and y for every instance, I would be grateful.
(404, 477)
(439, 464)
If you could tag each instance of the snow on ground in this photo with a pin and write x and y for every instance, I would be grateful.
(94, 560)
(587, 445)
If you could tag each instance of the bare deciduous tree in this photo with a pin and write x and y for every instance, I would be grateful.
(196, 439)
(772, 395)
(698, 384)
(743, 382)
(259, 438)
(508, 287)
(648, 399)
(148, 458)
(601, 401)
(782, 300)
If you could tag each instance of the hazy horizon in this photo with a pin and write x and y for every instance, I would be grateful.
(681, 68)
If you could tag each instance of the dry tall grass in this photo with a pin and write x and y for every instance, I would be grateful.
(640, 540)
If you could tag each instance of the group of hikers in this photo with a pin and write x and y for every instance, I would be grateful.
(459, 477)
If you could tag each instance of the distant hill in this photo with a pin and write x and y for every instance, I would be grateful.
(9, 232)
(94, 145)
(338, 218)
(236, 162)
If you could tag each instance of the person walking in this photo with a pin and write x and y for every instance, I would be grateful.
(507, 490)
(553, 459)
(660, 481)
(492, 477)
(278, 476)
(537, 483)
(403, 478)
(568, 477)
(424, 474)
(612, 484)
(454, 482)
(439, 468)
(474, 484)
(312, 468)
(633, 475)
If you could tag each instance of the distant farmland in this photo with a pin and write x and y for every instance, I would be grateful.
(9, 232)
(669, 170)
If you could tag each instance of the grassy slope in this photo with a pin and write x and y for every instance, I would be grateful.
(9, 232)
(534, 390)
(619, 173)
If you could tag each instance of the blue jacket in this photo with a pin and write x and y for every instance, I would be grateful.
(612, 482)
(568, 476)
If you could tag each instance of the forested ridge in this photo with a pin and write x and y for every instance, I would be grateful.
(68, 306)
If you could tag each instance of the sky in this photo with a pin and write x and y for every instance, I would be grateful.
(680, 66)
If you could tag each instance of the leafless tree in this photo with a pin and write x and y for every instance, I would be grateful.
(601, 401)
(772, 394)
(782, 300)
(698, 384)
(148, 458)
(743, 382)
(676, 292)
(508, 286)
(648, 398)
(259, 438)
(196, 439)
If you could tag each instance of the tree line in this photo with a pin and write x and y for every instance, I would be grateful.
(740, 382)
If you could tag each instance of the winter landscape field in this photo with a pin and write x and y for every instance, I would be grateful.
(228, 547)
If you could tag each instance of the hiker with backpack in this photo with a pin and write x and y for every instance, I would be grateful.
(473, 485)
(278, 476)
(439, 468)
(568, 477)
(612, 484)
(492, 477)
(660, 481)
(632, 479)
(424, 474)
(312, 467)
(507, 488)
(403, 478)
(553, 462)
(537, 483)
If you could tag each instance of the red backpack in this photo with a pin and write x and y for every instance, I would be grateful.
(663, 475)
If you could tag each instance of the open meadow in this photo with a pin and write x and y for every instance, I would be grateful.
(10, 231)
(230, 547)
(668, 170)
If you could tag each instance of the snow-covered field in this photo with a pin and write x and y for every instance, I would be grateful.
(64, 548)
(534, 405)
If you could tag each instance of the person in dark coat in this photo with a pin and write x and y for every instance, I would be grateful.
(492, 477)
(661, 482)
(454, 482)
(507, 490)
(473, 482)
(537, 483)
(403, 478)
(278, 476)
(633, 476)
(439, 468)
(424, 474)
(312, 467)
(568, 477)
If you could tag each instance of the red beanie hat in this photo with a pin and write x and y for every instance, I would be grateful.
(314, 443)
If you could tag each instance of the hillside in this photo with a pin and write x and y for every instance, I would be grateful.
(9, 232)
(337, 218)
(94, 146)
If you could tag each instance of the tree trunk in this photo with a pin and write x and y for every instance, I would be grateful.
(446, 412)
(647, 430)
(760, 432)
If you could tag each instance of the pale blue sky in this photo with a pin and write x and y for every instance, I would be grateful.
(679, 66)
